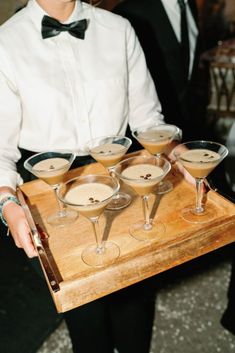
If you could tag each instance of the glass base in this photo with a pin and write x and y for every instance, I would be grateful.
(104, 256)
(62, 218)
(139, 232)
(119, 201)
(189, 214)
(164, 187)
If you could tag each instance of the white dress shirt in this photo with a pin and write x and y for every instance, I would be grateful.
(173, 12)
(58, 93)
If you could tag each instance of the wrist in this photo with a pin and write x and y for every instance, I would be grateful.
(5, 199)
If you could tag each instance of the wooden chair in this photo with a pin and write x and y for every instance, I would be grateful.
(222, 90)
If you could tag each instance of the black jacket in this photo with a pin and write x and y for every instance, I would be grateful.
(183, 102)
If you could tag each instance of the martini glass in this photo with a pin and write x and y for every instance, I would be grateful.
(199, 158)
(109, 151)
(155, 139)
(143, 174)
(51, 168)
(90, 195)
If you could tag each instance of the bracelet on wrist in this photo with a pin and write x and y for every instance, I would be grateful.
(3, 195)
(4, 200)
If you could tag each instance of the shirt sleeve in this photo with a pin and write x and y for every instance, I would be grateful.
(10, 122)
(144, 104)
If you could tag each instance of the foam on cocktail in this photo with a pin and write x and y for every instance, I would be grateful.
(51, 170)
(200, 162)
(108, 154)
(155, 141)
(89, 199)
(142, 177)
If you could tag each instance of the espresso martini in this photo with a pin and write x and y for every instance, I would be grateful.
(142, 177)
(51, 170)
(200, 162)
(89, 199)
(108, 154)
(155, 141)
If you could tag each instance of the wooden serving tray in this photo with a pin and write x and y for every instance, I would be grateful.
(183, 241)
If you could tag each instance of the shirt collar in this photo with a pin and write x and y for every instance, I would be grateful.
(37, 13)
(172, 2)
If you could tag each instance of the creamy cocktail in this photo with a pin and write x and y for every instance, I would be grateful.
(109, 150)
(199, 158)
(142, 174)
(89, 195)
(199, 162)
(51, 170)
(108, 154)
(90, 199)
(156, 139)
(142, 177)
(51, 167)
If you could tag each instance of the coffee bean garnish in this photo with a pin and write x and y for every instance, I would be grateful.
(52, 167)
(91, 199)
(146, 177)
(206, 154)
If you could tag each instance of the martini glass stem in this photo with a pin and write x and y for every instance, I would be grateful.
(147, 224)
(60, 207)
(113, 175)
(158, 155)
(98, 239)
(199, 195)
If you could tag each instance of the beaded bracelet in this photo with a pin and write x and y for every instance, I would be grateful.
(4, 202)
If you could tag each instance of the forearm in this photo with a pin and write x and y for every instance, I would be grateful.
(13, 216)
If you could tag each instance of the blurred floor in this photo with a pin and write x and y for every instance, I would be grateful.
(189, 305)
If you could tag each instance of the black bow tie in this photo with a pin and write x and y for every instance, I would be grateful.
(51, 28)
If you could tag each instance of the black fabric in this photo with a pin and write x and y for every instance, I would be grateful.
(218, 180)
(228, 317)
(123, 320)
(183, 102)
(51, 28)
(27, 313)
(185, 49)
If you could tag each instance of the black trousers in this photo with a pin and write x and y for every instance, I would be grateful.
(217, 178)
(121, 320)
(228, 317)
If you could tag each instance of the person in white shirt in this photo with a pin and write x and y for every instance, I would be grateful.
(61, 91)
(70, 72)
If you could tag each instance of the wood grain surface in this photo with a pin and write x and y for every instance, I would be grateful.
(182, 241)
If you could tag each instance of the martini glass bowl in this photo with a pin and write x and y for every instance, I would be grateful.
(199, 158)
(89, 195)
(108, 151)
(143, 174)
(155, 139)
(51, 167)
